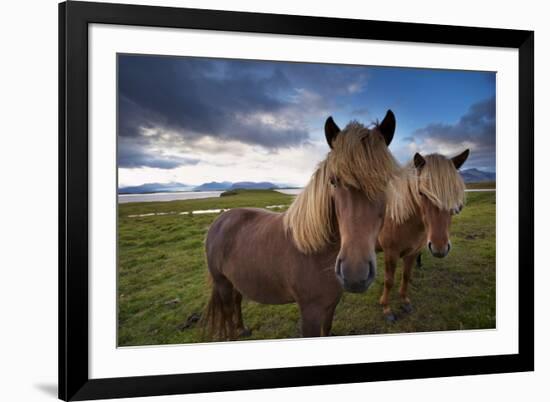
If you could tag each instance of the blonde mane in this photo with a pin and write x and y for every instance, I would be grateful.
(360, 159)
(438, 180)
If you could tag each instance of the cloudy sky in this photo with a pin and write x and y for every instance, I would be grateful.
(196, 120)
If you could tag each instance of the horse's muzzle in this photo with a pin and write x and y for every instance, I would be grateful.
(439, 253)
(355, 283)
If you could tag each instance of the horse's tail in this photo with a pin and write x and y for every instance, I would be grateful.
(218, 318)
(213, 315)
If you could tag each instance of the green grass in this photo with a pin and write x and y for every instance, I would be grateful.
(162, 277)
(483, 184)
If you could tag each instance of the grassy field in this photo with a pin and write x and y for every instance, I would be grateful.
(485, 184)
(163, 288)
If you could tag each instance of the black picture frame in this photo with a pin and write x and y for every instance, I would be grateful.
(74, 18)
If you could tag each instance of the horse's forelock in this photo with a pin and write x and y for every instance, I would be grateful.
(441, 183)
(360, 159)
(438, 180)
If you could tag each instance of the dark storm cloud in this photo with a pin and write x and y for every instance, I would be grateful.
(256, 103)
(476, 128)
(190, 96)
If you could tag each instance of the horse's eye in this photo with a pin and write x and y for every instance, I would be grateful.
(421, 194)
(333, 181)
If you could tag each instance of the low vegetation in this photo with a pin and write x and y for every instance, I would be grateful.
(482, 185)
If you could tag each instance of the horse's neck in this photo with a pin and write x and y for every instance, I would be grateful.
(416, 218)
(330, 250)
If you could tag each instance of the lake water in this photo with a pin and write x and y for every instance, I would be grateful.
(290, 191)
(187, 195)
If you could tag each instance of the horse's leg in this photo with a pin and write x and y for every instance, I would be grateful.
(390, 262)
(317, 316)
(329, 316)
(419, 260)
(242, 331)
(408, 263)
(312, 320)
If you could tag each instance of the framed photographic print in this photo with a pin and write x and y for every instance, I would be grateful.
(257, 201)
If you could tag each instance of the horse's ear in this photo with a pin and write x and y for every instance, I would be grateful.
(331, 131)
(459, 160)
(419, 161)
(387, 127)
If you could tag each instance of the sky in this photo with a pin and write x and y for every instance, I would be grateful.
(196, 120)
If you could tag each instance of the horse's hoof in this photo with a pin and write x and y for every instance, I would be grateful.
(407, 308)
(245, 333)
(391, 318)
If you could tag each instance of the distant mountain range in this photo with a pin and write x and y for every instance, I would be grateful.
(250, 185)
(214, 186)
(155, 188)
(211, 186)
(469, 176)
(475, 175)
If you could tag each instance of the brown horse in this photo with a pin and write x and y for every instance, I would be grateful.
(420, 203)
(324, 242)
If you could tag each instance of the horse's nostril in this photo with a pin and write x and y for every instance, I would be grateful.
(430, 246)
(448, 248)
(339, 267)
(372, 271)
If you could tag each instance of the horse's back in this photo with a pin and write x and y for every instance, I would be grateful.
(228, 234)
(248, 247)
(220, 233)
(229, 223)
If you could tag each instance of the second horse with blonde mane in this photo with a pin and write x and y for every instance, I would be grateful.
(420, 203)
